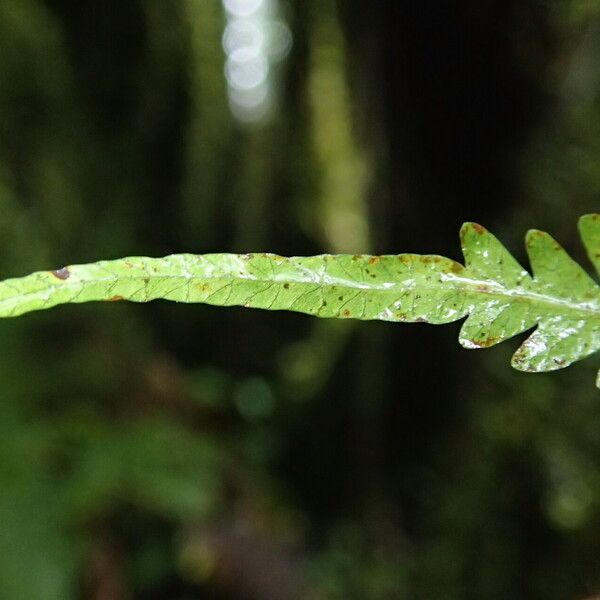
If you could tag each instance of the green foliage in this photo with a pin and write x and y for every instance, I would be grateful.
(498, 297)
(171, 452)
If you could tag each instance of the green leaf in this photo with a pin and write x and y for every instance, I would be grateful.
(589, 227)
(499, 298)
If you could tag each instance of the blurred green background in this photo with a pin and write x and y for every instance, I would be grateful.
(188, 452)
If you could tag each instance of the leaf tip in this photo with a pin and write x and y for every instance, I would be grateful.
(533, 357)
(538, 242)
(474, 337)
(589, 218)
(520, 362)
(534, 236)
(468, 343)
(471, 227)
(522, 359)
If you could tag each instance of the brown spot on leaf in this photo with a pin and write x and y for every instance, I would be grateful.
(456, 267)
(533, 237)
(486, 342)
(62, 274)
(115, 299)
(480, 230)
(374, 260)
(518, 356)
(421, 320)
(346, 312)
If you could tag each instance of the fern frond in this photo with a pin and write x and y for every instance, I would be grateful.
(497, 295)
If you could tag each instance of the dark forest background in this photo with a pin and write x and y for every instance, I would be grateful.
(187, 452)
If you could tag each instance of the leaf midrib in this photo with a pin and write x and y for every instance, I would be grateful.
(496, 289)
(469, 285)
